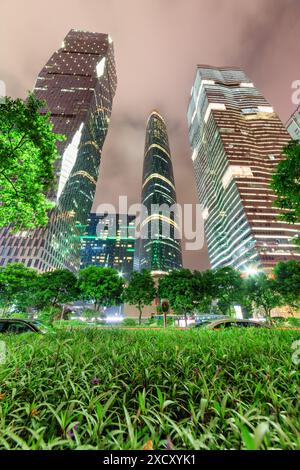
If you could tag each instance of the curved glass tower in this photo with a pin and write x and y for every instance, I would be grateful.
(160, 231)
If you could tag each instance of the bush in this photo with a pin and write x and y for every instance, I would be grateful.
(129, 322)
(117, 390)
(48, 315)
(294, 321)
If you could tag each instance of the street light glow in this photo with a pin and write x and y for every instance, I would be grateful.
(251, 271)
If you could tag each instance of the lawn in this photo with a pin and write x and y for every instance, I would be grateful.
(97, 389)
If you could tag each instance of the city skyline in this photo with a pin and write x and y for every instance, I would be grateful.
(150, 80)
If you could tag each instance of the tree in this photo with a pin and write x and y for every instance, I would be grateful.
(261, 290)
(54, 289)
(286, 184)
(204, 290)
(102, 286)
(180, 288)
(140, 290)
(15, 282)
(227, 288)
(287, 279)
(27, 155)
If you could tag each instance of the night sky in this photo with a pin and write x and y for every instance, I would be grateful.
(157, 46)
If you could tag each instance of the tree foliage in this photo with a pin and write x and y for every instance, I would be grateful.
(287, 280)
(15, 282)
(140, 290)
(54, 288)
(102, 286)
(261, 290)
(188, 291)
(286, 183)
(180, 288)
(227, 288)
(27, 155)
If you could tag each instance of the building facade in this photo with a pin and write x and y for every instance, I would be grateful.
(78, 85)
(237, 140)
(160, 248)
(109, 241)
(293, 125)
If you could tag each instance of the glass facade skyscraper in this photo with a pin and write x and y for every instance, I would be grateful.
(237, 141)
(160, 248)
(109, 241)
(293, 125)
(78, 85)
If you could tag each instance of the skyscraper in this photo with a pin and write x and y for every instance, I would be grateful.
(293, 125)
(78, 85)
(237, 141)
(108, 241)
(160, 249)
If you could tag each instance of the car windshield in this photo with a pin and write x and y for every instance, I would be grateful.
(204, 323)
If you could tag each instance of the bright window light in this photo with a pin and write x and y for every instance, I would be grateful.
(100, 67)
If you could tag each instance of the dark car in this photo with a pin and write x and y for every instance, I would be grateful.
(234, 323)
(17, 326)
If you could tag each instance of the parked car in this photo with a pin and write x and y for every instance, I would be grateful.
(17, 326)
(232, 323)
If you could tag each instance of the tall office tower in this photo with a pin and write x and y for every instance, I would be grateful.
(160, 248)
(293, 125)
(78, 84)
(237, 141)
(108, 241)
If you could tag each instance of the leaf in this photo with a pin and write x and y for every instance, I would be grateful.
(247, 438)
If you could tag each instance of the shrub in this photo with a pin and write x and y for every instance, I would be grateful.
(129, 322)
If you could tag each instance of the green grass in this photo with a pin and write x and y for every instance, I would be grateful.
(115, 389)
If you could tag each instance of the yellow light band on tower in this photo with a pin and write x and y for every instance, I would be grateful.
(158, 176)
(163, 218)
(159, 147)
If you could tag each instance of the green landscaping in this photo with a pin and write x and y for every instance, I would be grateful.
(192, 389)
